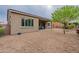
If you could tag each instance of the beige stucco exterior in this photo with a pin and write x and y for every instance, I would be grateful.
(15, 17)
(57, 25)
(15, 24)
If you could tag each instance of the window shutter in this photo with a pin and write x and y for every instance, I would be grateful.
(22, 22)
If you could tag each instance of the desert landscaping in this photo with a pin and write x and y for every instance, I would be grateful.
(43, 41)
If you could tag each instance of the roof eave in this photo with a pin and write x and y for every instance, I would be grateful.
(28, 14)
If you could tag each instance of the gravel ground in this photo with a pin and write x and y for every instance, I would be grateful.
(44, 41)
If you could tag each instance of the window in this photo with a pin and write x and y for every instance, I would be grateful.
(22, 22)
(27, 22)
(31, 22)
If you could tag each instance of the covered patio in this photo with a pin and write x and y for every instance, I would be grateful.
(44, 24)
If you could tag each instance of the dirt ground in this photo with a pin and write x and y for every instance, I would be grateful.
(43, 41)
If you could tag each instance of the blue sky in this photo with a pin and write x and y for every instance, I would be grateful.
(40, 10)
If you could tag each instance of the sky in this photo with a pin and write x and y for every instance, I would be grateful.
(39, 10)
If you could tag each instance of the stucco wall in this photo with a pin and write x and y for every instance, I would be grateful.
(57, 25)
(48, 26)
(15, 23)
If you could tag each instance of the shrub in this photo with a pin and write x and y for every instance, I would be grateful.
(0, 26)
(1, 31)
(71, 26)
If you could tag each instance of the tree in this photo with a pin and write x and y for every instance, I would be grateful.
(65, 14)
(77, 20)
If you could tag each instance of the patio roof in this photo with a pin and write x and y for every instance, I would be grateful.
(28, 14)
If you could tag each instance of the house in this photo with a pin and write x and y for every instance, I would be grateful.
(21, 22)
(57, 25)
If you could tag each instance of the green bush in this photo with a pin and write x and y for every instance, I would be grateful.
(71, 26)
(1, 31)
(0, 26)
